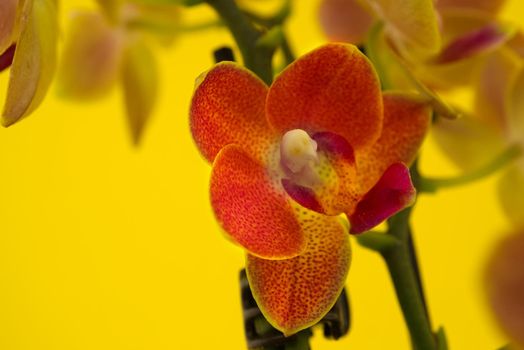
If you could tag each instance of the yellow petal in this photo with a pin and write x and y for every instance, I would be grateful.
(140, 82)
(515, 109)
(411, 24)
(91, 57)
(492, 87)
(7, 22)
(34, 61)
(469, 143)
(491, 7)
(511, 194)
(111, 8)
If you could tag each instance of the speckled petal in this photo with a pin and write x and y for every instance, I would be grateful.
(7, 23)
(252, 207)
(392, 193)
(34, 60)
(91, 59)
(339, 193)
(504, 282)
(296, 293)
(406, 122)
(411, 24)
(334, 88)
(345, 20)
(228, 107)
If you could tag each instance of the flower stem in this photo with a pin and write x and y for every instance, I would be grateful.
(428, 184)
(404, 274)
(256, 58)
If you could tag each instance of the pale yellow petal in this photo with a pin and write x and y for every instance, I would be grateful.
(140, 83)
(412, 25)
(34, 61)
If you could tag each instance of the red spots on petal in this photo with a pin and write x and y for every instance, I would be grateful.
(252, 207)
(334, 88)
(296, 293)
(228, 107)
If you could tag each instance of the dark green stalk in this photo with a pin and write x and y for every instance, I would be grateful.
(407, 285)
(256, 58)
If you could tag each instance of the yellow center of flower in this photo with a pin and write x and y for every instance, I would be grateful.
(298, 151)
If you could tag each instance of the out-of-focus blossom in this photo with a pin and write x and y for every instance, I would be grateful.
(321, 141)
(496, 124)
(505, 286)
(28, 36)
(441, 44)
(101, 49)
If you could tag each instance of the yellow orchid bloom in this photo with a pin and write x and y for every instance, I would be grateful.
(28, 36)
(101, 49)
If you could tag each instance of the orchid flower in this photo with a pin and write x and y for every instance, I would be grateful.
(505, 286)
(497, 123)
(101, 49)
(440, 43)
(322, 140)
(28, 36)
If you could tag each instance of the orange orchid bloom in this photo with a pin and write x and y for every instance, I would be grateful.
(28, 37)
(322, 140)
(104, 48)
(504, 280)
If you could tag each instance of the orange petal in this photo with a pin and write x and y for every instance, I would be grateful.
(228, 107)
(140, 83)
(505, 285)
(7, 23)
(333, 88)
(406, 122)
(34, 61)
(411, 24)
(252, 207)
(511, 193)
(91, 58)
(491, 7)
(345, 20)
(296, 293)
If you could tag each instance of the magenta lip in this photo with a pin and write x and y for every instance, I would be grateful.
(6, 58)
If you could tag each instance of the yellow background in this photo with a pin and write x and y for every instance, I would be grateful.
(104, 246)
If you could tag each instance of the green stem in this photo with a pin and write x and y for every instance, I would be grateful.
(407, 285)
(433, 184)
(256, 58)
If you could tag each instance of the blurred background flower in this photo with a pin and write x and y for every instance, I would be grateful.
(28, 38)
(102, 48)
